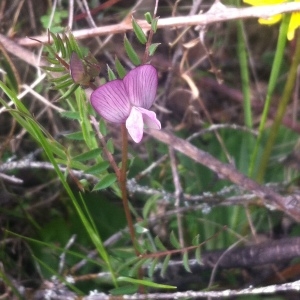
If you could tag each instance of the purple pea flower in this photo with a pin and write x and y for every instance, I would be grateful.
(128, 100)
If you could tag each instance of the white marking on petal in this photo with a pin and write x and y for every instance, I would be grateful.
(135, 124)
(149, 118)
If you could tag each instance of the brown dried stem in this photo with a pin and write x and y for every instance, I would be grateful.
(289, 205)
(218, 13)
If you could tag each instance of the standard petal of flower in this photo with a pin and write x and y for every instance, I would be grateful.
(135, 124)
(294, 24)
(149, 118)
(111, 101)
(141, 85)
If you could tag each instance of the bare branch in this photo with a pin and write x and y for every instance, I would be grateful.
(266, 290)
(216, 14)
(289, 205)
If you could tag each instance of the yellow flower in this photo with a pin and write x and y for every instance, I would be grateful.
(294, 24)
(294, 21)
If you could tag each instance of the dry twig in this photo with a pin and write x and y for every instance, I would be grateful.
(218, 13)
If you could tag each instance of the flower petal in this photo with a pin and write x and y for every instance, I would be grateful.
(263, 2)
(111, 101)
(149, 118)
(135, 124)
(141, 85)
(271, 20)
(294, 24)
(266, 21)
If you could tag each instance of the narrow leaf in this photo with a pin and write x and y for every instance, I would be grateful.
(148, 17)
(198, 255)
(78, 136)
(73, 115)
(186, 262)
(174, 241)
(88, 155)
(153, 48)
(63, 85)
(74, 45)
(53, 69)
(145, 283)
(98, 168)
(86, 127)
(134, 269)
(140, 229)
(55, 40)
(151, 269)
(149, 205)
(154, 24)
(120, 69)
(196, 240)
(165, 265)
(105, 182)
(131, 52)
(69, 49)
(86, 131)
(110, 146)
(12, 78)
(139, 32)
(159, 244)
(139, 248)
(102, 127)
(50, 49)
(57, 149)
(148, 246)
(61, 78)
(62, 46)
(111, 74)
(71, 164)
(69, 92)
(52, 60)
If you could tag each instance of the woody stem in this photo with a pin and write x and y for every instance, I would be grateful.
(122, 182)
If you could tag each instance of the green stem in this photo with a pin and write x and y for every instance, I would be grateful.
(286, 96)
(272, 84)
(243, 59)
(122, 182)
(247, 140)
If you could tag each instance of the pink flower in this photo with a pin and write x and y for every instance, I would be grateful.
(128, 101)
